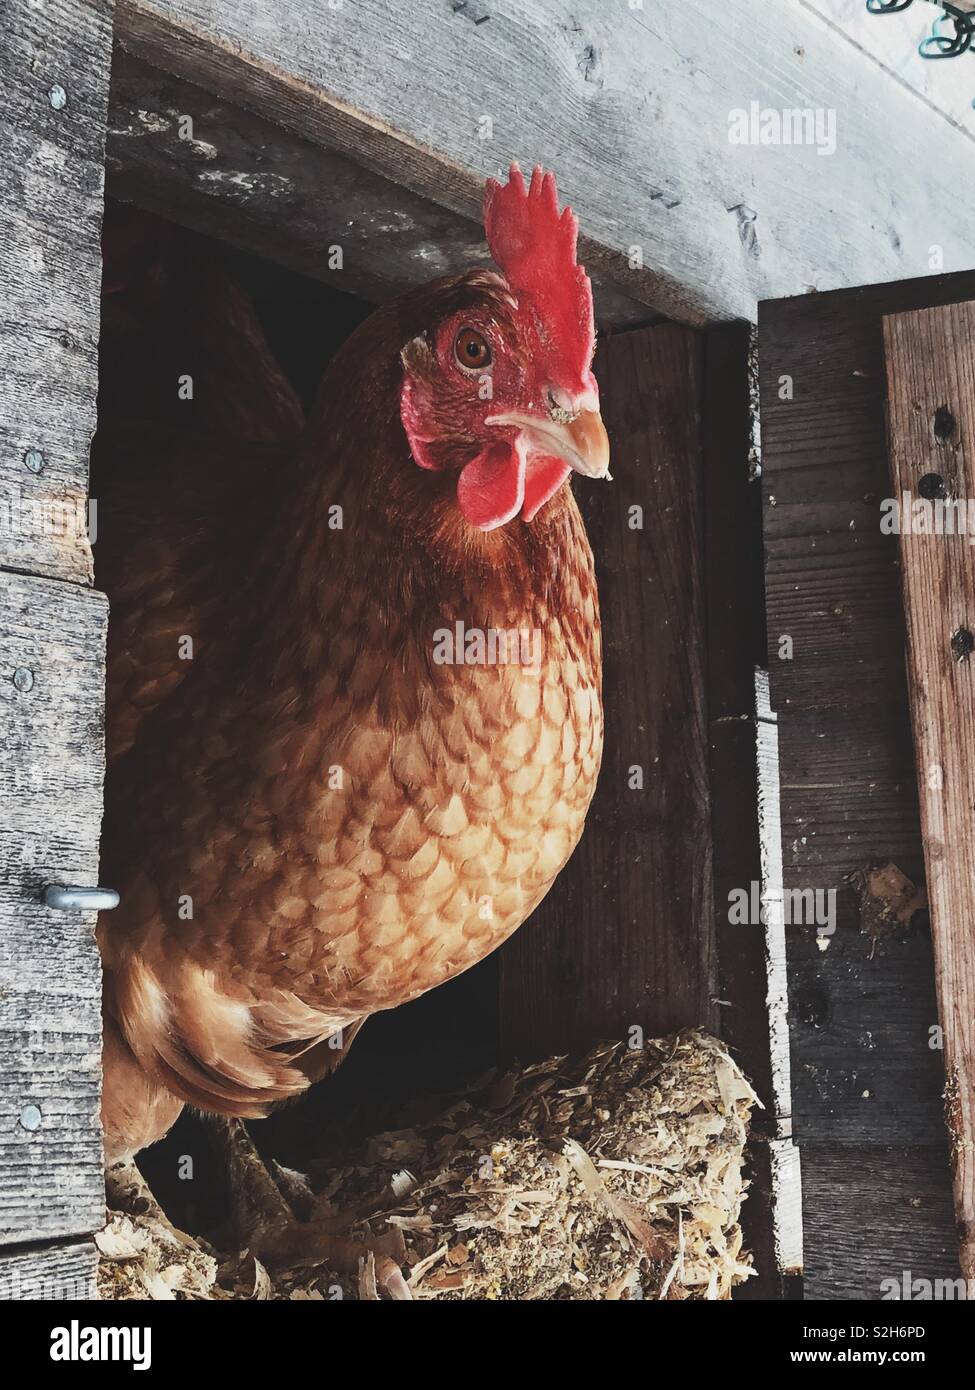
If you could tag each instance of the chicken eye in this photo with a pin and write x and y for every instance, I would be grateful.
(471, 350)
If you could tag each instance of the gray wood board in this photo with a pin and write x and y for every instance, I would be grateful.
(51, 177)
(626, 937)
(862, 1067)
(51, 769)
(244, 180)
(631, 107)
(49, 1273)
(894, 43)
(904, 1223)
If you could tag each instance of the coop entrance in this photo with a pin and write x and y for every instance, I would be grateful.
(225, 300)
(210, 358)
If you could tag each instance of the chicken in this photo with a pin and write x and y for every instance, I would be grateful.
(362, 721)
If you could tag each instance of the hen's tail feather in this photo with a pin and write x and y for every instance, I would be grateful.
(136, 1109)
(323, 1057)
(205, 1047)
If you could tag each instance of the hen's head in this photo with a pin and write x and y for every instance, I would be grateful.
(501, 390)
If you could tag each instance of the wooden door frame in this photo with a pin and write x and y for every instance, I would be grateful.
(867, 1104)
(55, 63)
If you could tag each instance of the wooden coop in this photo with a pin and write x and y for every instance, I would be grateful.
(755, 612)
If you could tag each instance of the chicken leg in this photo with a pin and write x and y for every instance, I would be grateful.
(126, 1190)
(263, 1202)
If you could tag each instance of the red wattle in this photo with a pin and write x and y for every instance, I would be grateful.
(545, 476)
(491, 488)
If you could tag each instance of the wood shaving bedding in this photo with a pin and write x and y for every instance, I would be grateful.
(617, 1176)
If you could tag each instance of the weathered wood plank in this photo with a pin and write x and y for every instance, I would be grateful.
(931, 414)
(626, 936)
(54, 66)
(630, 106)
(848, 790)
(892, 41)
(52, 650)
(861, 1012)
(903, 1224)
(785, 1167)
(735, 644)
(259, 187)
(51, 1272)
(832, 585)
(786, 1183)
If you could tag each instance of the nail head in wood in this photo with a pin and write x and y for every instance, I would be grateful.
(23, 679)
(932, 485)
(943, 423)
(962, 644)
(58, 97)
(30, 1117)
(34, 460)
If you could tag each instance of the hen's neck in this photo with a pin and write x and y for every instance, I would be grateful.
(366, 540)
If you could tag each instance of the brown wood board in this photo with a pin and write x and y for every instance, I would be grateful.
(931, 416)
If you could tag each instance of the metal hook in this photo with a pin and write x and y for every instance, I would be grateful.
(71, 897)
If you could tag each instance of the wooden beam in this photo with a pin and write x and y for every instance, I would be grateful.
(52, 677)
(626, 937)
(54, 65)
(242, 179)
(631, 106)
(931, 413)
(892, 41)
(49, 1272)
(54, 69)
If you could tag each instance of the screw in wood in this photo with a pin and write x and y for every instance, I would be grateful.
(34, 460)
(58, 97)
(23, 679)
(30, 1117)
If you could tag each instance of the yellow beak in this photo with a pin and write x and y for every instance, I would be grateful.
(581, 442)
(588, 444)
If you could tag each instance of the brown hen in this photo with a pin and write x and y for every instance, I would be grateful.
(364, 718)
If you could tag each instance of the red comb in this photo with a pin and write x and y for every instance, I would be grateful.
(535, 246)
